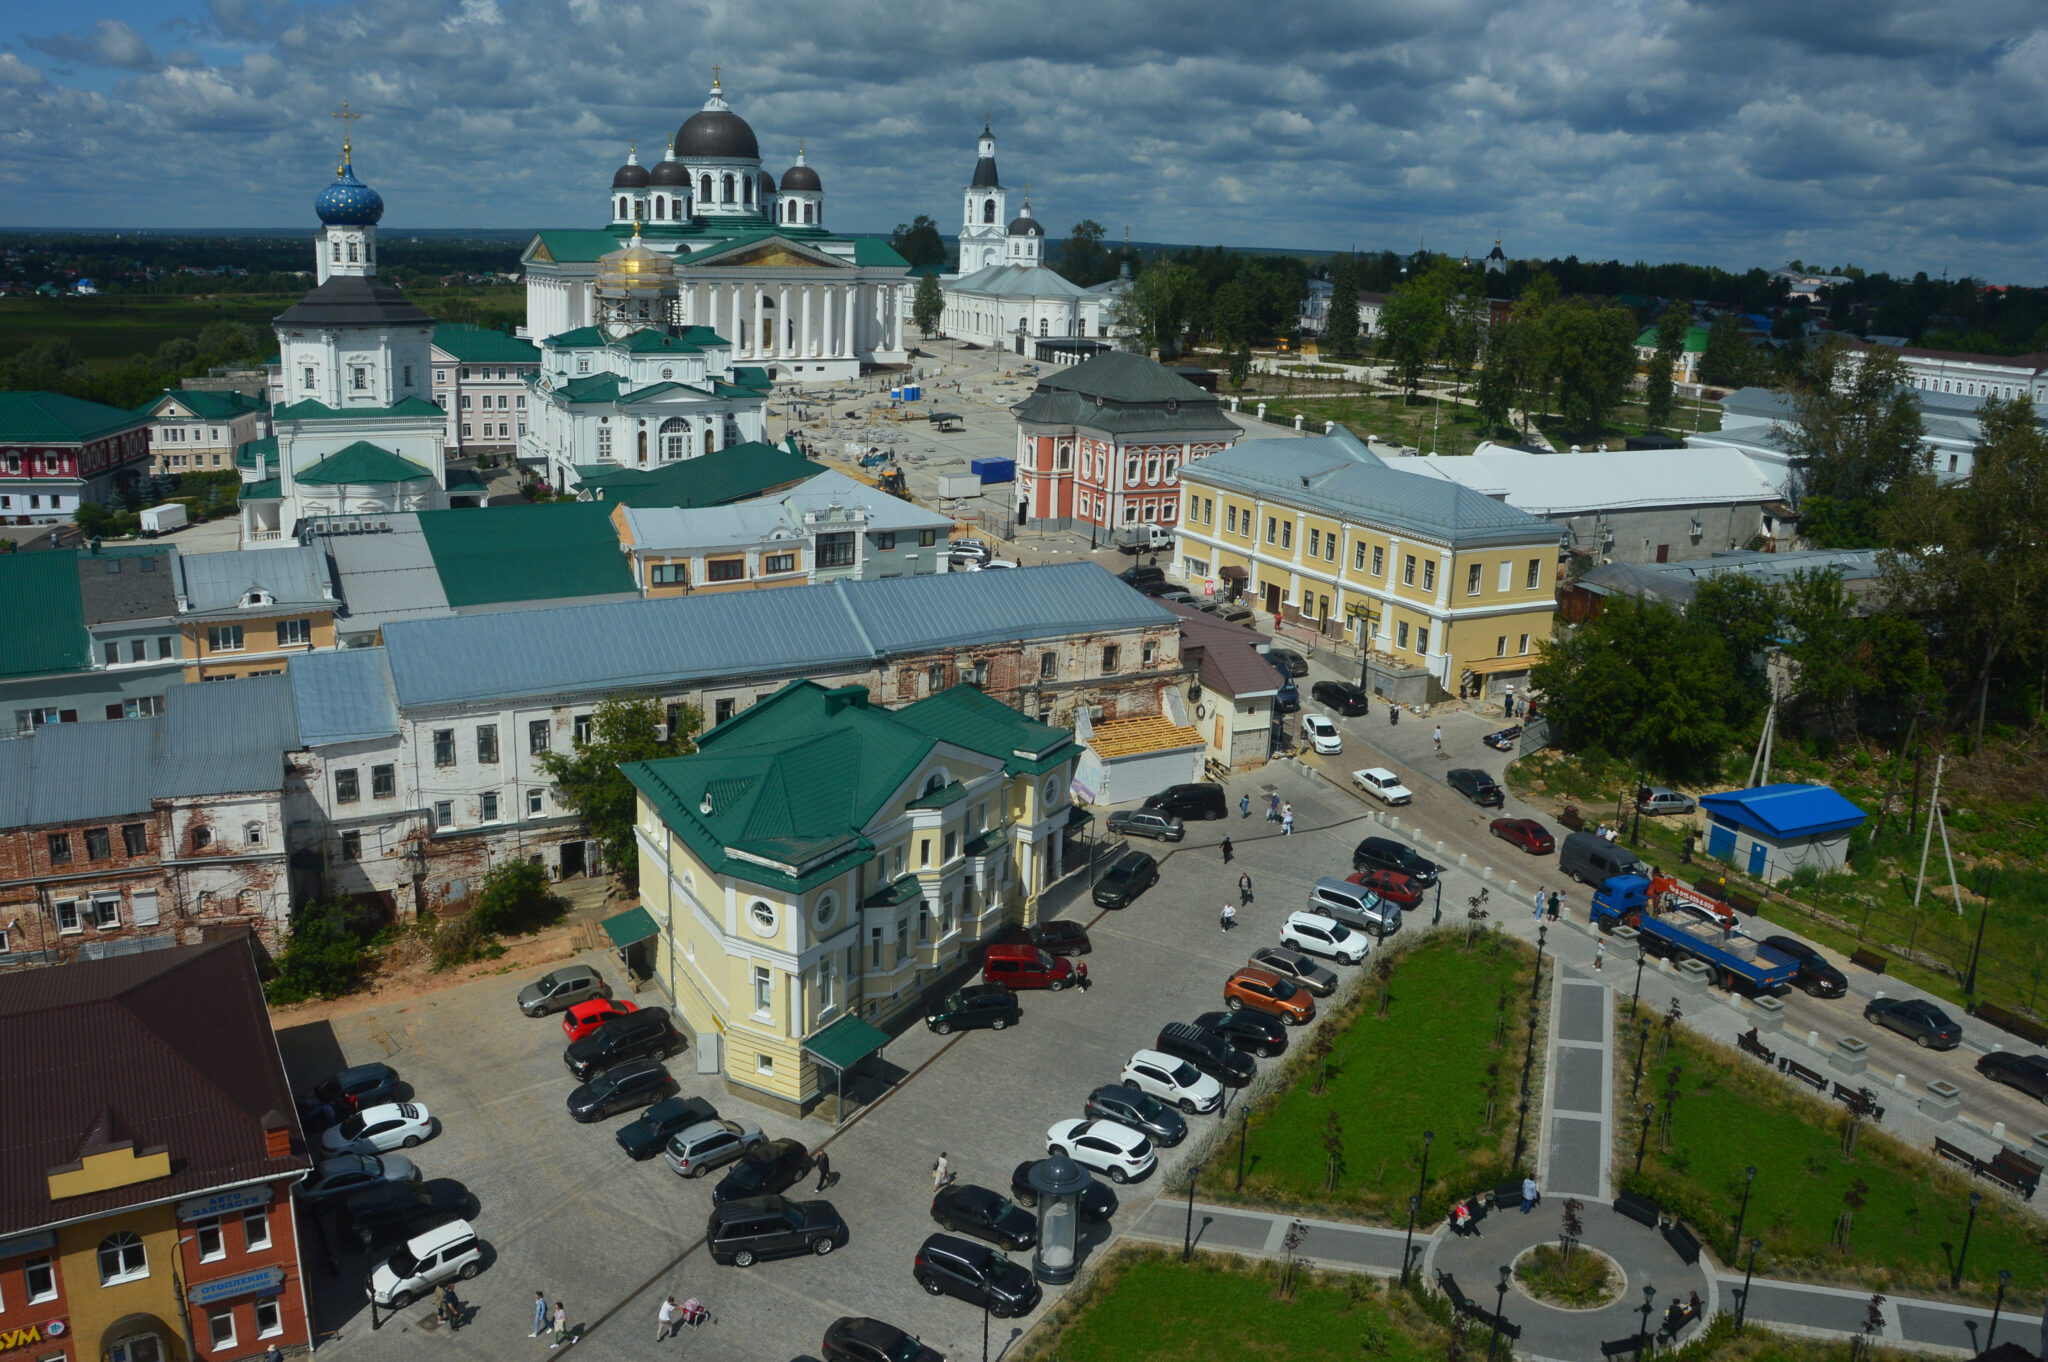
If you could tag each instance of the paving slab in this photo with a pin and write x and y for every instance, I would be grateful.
(1580, 1079)
(1582, 1012)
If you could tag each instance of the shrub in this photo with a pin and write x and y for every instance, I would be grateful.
(516, 897)
(463, 941)
(322, 958)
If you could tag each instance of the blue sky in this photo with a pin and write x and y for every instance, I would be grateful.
(1894, 134)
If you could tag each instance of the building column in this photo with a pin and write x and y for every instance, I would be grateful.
(760, 315)
(782, 343)
(734, 300)
(897, 309)
(804, 346)
(852, 341)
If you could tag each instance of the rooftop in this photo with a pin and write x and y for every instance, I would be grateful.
(51, 418)
(388, 575)
(551, 551)
(343, 695)
(1573, 484)
(362, 464)
(1120, 391)
(1677, 583)
(292, 577)
(735, 473)
(1130, 737)
(1785, 810)
(225, 405)
(1230, 661)
(1018, 281)
(116, 586)
(42, 615)
(481, 345)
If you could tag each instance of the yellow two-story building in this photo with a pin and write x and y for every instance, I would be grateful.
(248, 612)
(1450, 590)
(821, 862)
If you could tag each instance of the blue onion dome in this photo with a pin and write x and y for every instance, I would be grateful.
(348, 202)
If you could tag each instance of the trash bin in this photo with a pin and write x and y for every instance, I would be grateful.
(1393, 714)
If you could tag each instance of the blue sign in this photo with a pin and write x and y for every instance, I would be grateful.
(265, 1283)
(225, 1203)
(42, 1242)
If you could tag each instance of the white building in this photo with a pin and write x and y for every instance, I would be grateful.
(1004, 295)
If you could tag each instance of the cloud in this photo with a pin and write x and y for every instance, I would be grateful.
(111, 43)
(16, 72)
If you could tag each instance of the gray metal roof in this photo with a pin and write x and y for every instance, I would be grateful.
(386, 576)
(65, 773)
(218, 581)
(113, 587)
(1018, 281)
(343, 696)
(225, 737)
(912, 614)
(1677, 583)
(884, 511)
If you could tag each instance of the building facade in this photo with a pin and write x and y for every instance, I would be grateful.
(56, 451)
(481, 379)
(1004, 295)
(88, 634)
(194, 431)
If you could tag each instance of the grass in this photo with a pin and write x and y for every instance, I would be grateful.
(1583, 1281)
(1903, 1237)
(1422, 1067)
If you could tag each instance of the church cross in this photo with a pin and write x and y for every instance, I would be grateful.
(347, 117)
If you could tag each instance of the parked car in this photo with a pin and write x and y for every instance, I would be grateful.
(2028, 1073)
(1322, 735)
(1140, 1111)
(1172, 1080)
(1268, 992)
(1384, 853)
(1476, 786)
(1506, 740)
(1526, 833)
(646, 1034)
(1921, 1021)
(1232, 612)
(1391, 885)
(1382, 785)
(1287, 699)
(1213, 1054)
(1105, 1146)
(1178, 595)
(365, 1085)
(1346, 699)
(966, 550)
(1061, 937)
(1287, 660)
(947, 1265)
(1293, 965)
(966, 1209)
(424, 1262)
(1132, 875)
(346, 1174)
(978, 1005)
(856, 1338)
(1030, 967)
(1816, 976)
(741, 1233)
(580, 1020)
(1137, 574)
(1157, 589)
(562, 988)
(695, 1151)
(376, 1130)
(1250, 1031)
(1591, 859)
(773, 1166)
(1157, 824)
(633, 1083)
(1198, 800)
(1098, 1201)
(398, 1210)
(1655, 799)
(644, 1137)
(1319, 935)
(1355, 906)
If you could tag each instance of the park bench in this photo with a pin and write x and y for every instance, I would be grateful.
(1682, 1242)
(1460, 1302)
(1866, 958)
(1794, 1069)
(2015, 1172)
(1639, 1209)
(1622, 1347)
(1478, 1204)
(1571, 818)
(1749, 1043)
(2004, 1020)
(1954, 1153)
(1861, 1101)
(1509, 1194)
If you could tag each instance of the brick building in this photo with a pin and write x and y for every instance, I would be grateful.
(56, 451)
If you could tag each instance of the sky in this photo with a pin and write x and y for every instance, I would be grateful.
(1900, 135)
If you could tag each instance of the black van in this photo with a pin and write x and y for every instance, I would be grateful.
(742, 1232)
(1207, 1051)
(1592, 859)
(1190, 802)
(647, 1033)
(1384, 853)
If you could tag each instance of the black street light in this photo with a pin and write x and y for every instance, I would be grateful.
(1991, 1335)
(1649, 1110)
(984, 1327)
(1742, 1306)
(1498, 1306)
(1244, 1134)
(1422, 1186)
(1537, 987)
(1408, 1246)
(1748, 1182)
(1956, 1278)
(1649, 1304)
(1644, 1044)
(1187, 1243)
(1438, 915)
(1642, 958)
(1970, 982)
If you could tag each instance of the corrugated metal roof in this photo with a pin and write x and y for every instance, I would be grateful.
(136, 585)
(1785, 810)
(1572, 484)
(477, 345)
(884, 511)
(909, 614)
(292, 576)
(671, 528)
(1231, 663)
(1018, 281)
(42, 616)
(225, 737)
(526, 553)
(38, 418)
(343, 696)
(731, 474)
(386, 576)
(66, 773)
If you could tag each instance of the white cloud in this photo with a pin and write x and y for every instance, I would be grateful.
(111, 43)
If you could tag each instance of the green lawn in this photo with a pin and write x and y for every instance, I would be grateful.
(1903, 1236)
(1422, 1067)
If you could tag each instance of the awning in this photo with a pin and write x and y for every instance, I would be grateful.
(1493, 666)
(845, 1043)
(630, 927)
(1230, 572)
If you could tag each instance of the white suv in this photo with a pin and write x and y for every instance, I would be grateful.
(1322, 735)
(425, 1262)
(1382, 785)
(1173, 1080)
(1319, 935)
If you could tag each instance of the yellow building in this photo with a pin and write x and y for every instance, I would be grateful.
(246, 613)
(821, 862)
(1450, 589)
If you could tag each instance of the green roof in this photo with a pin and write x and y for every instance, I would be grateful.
(635, 924)
(30, 418)
(846, 1042)
(719, 478)
(651, 340)
(968, 718)
(942, 797)
(362, 464)
(580, 338)
(467, 479)
(257, 453)
(872, 250)
(42, 615)
(1695, 339)
(315, 411)
(270, 489)
(572, 246)
(480, 345)
(210, 406)
(575, 246)
(550, 551)
(751, 376)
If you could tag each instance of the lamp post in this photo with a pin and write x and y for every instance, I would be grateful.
(1438, 915)
(1187, 1243)
(1537, 987)
(984, 1327)
(1408, 1245)
(1956, 1278)
(1635, 828)
(1742, 1306)
(1970, 982)
(1244, 1133)
(1643, 1142)
(1649, 1304)
(1499, 1305)
(1642, 958)
(1422, 1185)
(1644, 1044)
(1748, 1182)
(1991, 1334)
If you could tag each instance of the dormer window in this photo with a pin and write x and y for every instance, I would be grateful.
(255, 598)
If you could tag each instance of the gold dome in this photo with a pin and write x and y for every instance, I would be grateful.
(634, 266)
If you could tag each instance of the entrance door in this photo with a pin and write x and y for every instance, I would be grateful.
(1721, 843)
(572, 859)
(1272, 598)
(141, 1348)
(1756, 860)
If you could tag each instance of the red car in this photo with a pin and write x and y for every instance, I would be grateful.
(585, 1017)
(1390, 885)
(1526, 833)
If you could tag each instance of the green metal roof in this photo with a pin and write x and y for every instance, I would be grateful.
(896, 891)
(270, 489)
(363, 464)
(751, 376)
(30, 418)
(550, 551)
(968, 718)
(715, 479)
(872, 250)
(633, 925)
(257, 453)
(1695, 339)
(481, 345)
(467, 479)
(42, 615)
(315, 411)
(209, 406)
(573, 246)
(846, 1043)
(582, 337)
(941, 797)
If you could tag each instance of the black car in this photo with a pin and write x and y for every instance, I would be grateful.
(1253, 1031)
(1816, 976)
(741, 1233)
(1159, 588)
(1384, 853)
(1346, 699)
(1506, 740)
(1157, 824)
(1287, 660)
(770, 1167)
(1060, 937)
(2028, 1073)
(975, 1273)
(1098, 1202)
(1141, 1111)
(366, 1085)
(1125, 880)
(856, 1338)
(631, 1084)
(967, 1209)
(1927, 1025)
(643, 1138)
(1207, 1051)
(977, 1005)
(1287, 699)
(1189, 802)
(397, 1211)
(1476, 786)
(1140, 573)
(645, 1034)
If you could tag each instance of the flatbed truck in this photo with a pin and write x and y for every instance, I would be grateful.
(1671, 928)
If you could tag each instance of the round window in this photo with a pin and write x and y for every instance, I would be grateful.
(827, 906)
(1052, 789)
(668, 373)
(762, 914)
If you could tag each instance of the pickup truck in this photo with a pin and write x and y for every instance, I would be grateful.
(1144, 539)
(1675, 929)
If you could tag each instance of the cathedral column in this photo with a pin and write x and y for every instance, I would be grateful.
(734, 299)
(851, 339)
(804, 346)
(712, 306)
(896, 316)
(783, 346)
(760, 315)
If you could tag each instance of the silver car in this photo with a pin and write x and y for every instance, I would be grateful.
(707, 1145)
(1292, 964)
(562, 988)
(346, 1173)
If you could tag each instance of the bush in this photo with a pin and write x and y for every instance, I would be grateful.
(461, 942)
(516, 897)
(323, 958)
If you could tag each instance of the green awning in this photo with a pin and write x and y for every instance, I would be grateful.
(846, 1043)
(630, 927)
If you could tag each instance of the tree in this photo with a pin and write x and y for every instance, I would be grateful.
(1494, 394)
(516, 897)
(919, 243)
(1464, 332)
(1743, 613)
(1528, 345)
(1240, 370)
(1657, 385)
(1728, 361)
(1082, 259)
(1411, 325)
(1234, 313)
(1592, 353)
(1154, 309)
(623, 729)
(1826, 643)
(928, 305)
(1341, 334)
(1855, 432)
(323, 956)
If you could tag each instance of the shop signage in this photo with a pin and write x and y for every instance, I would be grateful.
(225, 1203)
(264, 1283)
(41, 1242)
(31, 1335)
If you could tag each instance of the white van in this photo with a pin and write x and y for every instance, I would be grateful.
(1355, 906)
(444, 1252)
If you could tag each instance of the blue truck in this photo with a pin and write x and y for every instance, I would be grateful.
(1675, 929)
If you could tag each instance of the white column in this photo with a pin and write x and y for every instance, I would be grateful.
(852, 340)
(896, 316)
(782, 345)
(805, 349)
(760, 313)
(711, 308)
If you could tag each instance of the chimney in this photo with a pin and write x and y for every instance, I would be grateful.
(277, 1135)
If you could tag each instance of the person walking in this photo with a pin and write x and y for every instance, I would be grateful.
(1530, 1195)
(1229, 916)
(1244, 890)
(1226, 851)
(1509, 709)
(540, 1313)
(561, 1325)
(1273, 810)
(1599, 955)
(1287, 820)
(942, 1171)
(824, 1170)
(1556, 901)
(1439, 737)
(1244, 806)
(666, 1320)
(1685, 851)
(1539, 900)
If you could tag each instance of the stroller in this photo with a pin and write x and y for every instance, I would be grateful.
(693, 1314)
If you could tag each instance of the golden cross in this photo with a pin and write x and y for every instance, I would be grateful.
(714, 74)
(346, 118)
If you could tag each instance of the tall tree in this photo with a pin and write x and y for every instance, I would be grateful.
(1340, 336)
(1592, 353)
(1153, 311)
(1234, 312)
(1826, 643)
(1411, 325)
(1657, 384)
(1855, 431)
(1728, 361)
(919, 242)
(1528, 349)
(928, 305)
(1494, 394)
(1464, 331)
(588, 780)
(1082, 259)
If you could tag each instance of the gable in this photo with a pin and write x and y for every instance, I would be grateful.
(773, 253)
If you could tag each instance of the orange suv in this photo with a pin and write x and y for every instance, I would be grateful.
(1266, 991)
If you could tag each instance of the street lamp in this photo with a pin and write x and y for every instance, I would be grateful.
(1408, 1245)
(1642, 958)
(1498, 1306)
(1187, 1243)
(1438, 915)
(1649, 1304)
(1644, 1044)
(1956, 1278)
(1991, 1335)
(1422, 1186)
(1748, 1182)
(1742, 1306)
(1244, 1133)
(1642, 1143)
(1537, 986)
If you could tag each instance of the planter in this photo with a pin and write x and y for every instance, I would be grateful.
(1943, 1102)
(1851, 1056)
(1592, 1282)
(1770, 1015)
(1695, 976)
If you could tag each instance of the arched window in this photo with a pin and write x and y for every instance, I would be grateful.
(810, 213)
(726, 186)
(704, 188)
(710, 437)
(747, 190)
(202, 838)
(675, 438)
(622, 205)
(1044, 326)
(122, 1258)
(988, 211)
(252, 834)
(660, 208)
(935, 783)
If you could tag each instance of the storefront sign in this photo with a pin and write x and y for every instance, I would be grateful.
(30, 1336)
(264, 1283)
(26, 1244)
(225, 1203)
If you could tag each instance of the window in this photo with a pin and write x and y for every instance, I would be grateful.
(359, 378)
(1230, 518)
(490, 806)
(902, 938)
(537, 735)
(1048, 666)
(97, 847)
(256, 1229)
(163, 647)
(874, 948)
(134, 839)
(294, 632)
(202, 838)
(924, 852)
(534, 800)
(144, 904)
(726, 569)
(1330, 547)
(106, 912)
(1524, 649)
(764, 1065)
(1500, 646)
(444, 813)
(1472, 580)
(224, 638)
(764, 990)
(252, 834)
(383, 781)
(886, 540)
(41, 1277)
(1286, 534)
(1108, 658)
(467, 429)
(444, 747)
(927, 538)
(1272, 528)
(1408, 569)
(113, 654)
(779, 562)
(487, 744)
(220, 1327)
(952, 846)
(352, 846)
(307, 381)
(1401, 634)
(1421, 640)
(722, 709)
(1535, 574)
(67, 915)
(138, 649)
(582, 726)
(210, 1242)
(269, 1319)
(1507, 575)
(836, 550)
(122, 1258)
(60, 848)
(1429, 574)
(1315, 543)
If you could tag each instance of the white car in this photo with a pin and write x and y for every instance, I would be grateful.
(424, 1262)
(346, 1173)
(1322, 735)
(1319, 935)
(1173, 1080)
(1105, 1146)
(376, 1130)
(1382, 785)
(991, 564)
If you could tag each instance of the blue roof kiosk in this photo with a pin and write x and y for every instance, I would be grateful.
(1771, 831)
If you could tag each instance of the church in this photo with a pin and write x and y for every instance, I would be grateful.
(752, 258)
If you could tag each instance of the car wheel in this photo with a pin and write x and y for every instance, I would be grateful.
(999, 1023)
(401, 1300)
(744, 1258)
(1270, 1051)
(931, 1287)
(1001, 1311)
(1290, 1020)
(469, 1271)
(1235, 1004)
(1057, 1151)
(1119, 1176)
(1922, 1042)
(1057, 984)
(1869, 1015)
(412, 1142)
(699, 1171)
(823, 1247)
(1131, 1083)
(1187, 1105)
(942, 1028)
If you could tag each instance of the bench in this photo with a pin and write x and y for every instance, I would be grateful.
(1954, 1153)
(2006, 1020)
(1792, 1068)
(1571, 818)
(2013, 1171)
(1861, 1101)
(1682, 1242)
(1640, 1209)
(1865, 958)
(1510, 1194)
(1460, 1302)
(1749, 1044)
(1618, 1347)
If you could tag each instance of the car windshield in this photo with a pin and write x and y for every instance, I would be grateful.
(954, 1002)
(1284, 989)
(1337, 931)
(1186, 1075)
(1044, 961)
(748, 1172)
(367, 1167)
(403, 1264)
(352, 1128)
(904, 1349)
(1145, 1105)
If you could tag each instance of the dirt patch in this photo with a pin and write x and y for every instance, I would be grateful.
(407, 973)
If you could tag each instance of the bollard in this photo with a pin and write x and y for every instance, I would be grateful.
(1297, 420)
(1511, 889)
(1262, 411)
(1329, 426)
(1233, 404)
(1486, 872)
(1440, 853)
(1813, 1040)
(1998, 1131)
(1770, 1015)
(1899, 1082)
(1394, 822)
(1462, 859)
